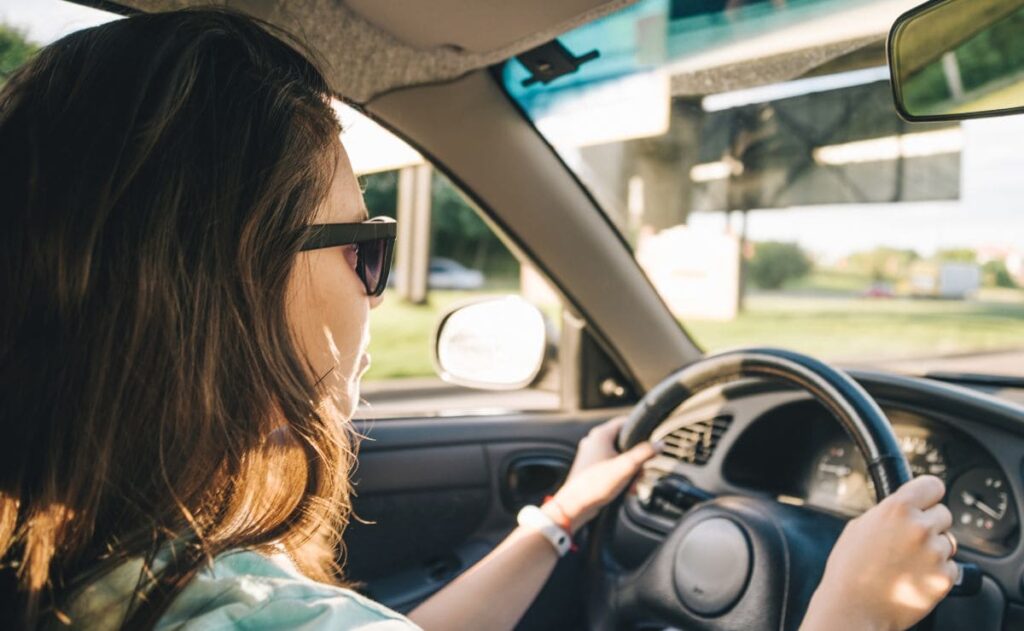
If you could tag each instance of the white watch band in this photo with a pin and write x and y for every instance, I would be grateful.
(536, 519)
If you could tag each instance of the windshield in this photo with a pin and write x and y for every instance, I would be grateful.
(751, 154)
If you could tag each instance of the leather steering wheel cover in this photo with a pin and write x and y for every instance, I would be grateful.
(854, 409)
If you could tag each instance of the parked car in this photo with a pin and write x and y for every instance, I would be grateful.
(446, 273)
(879, 290)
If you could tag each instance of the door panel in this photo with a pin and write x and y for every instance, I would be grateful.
(426, 468)
(438, 494)
(410, 531)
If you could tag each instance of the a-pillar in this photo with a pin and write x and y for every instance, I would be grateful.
(412, 258)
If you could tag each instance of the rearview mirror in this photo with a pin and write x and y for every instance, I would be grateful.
(958, 59)
(493, 344)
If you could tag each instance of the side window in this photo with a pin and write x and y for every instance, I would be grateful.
(26, 25)
(447, 255)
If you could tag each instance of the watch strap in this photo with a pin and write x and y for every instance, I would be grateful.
(535, 519)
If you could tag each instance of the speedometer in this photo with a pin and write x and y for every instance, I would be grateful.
(841, 480)
(980, 503)
(924, 456)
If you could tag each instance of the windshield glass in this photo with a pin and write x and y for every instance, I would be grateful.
(751, 154)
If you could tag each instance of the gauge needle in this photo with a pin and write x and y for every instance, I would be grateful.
(970, 500)
(838, 470)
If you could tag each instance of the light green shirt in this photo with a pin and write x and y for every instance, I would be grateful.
(241, 590)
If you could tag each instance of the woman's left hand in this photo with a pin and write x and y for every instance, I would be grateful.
(599, 473)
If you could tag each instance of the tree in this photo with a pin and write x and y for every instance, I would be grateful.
(883, 263)
(15, 50)
(996, 275)
(775, 263)
(380, 192)
(457, 231)
(956, 255)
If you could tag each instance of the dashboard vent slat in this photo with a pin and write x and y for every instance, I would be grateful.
(695, 443)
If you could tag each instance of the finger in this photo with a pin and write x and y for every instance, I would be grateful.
(622, 468)
(938, 518)
(943, 545)
(922, 493)
(638, 455)
(611, 427)
(952, 571)
(952, 542)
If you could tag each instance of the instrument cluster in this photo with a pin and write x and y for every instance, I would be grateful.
(977, 491)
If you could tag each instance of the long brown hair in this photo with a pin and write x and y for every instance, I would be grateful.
(154, 174)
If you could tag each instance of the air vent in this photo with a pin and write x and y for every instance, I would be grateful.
(694, 443)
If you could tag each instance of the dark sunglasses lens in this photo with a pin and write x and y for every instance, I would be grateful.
(376, 259)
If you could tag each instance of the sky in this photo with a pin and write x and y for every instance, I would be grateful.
(47, 20)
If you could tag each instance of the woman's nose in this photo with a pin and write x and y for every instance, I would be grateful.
(376, 300)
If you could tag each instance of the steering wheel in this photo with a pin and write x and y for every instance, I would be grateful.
(744, 562)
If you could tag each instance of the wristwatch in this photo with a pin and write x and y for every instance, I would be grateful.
(536, 519)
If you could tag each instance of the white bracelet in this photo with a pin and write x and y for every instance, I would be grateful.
(536, 519)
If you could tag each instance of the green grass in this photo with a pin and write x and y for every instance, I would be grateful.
(869, 329)
(831, 282)
(825, 324)
(1004, 98)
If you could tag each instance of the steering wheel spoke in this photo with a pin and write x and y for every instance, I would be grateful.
(731, 563)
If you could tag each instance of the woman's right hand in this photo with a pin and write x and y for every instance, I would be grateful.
(890, 567)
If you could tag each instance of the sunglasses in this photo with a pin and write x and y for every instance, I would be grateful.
(375, 241)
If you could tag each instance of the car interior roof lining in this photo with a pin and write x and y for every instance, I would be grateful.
(399, 43)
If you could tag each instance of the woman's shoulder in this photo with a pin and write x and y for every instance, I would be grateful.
(255, 591)
(249, 590)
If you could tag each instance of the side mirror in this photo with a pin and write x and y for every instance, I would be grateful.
(958, 59)
(493, 344)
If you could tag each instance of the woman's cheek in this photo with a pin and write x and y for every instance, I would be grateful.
(350, 325)
(329, 312)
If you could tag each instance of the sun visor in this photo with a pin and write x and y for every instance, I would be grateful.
(412, 42)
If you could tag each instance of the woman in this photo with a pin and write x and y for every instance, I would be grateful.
(181, 350)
